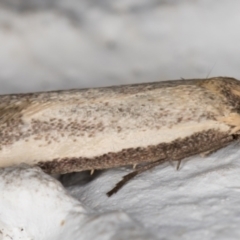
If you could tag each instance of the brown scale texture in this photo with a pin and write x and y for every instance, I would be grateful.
(50, 117)
(177, 150)
(86, 103)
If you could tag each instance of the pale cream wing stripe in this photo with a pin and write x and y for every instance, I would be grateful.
(87, 129)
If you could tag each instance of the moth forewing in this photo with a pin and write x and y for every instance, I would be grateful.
(86, 129)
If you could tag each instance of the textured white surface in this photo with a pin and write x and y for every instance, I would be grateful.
(200, 201)
(65, 44)
(36, 206)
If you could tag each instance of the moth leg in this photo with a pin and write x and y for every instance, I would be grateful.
(178, 164)
(131, 175)
(173, 165)
(207, 153)
(178, 157)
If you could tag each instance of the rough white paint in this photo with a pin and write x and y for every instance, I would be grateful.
(36, 206)
(199, 201)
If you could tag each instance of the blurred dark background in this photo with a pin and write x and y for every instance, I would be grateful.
(49, 44)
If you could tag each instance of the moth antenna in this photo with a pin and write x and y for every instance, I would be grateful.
(211, 69)
(121, 183)
(131, 175)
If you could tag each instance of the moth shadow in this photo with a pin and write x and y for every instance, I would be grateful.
(78, 178)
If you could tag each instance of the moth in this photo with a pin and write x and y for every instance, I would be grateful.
(142, 125)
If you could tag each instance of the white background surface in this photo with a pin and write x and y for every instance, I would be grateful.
(48, 45)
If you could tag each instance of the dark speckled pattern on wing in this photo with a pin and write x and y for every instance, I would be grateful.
(77, 130)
